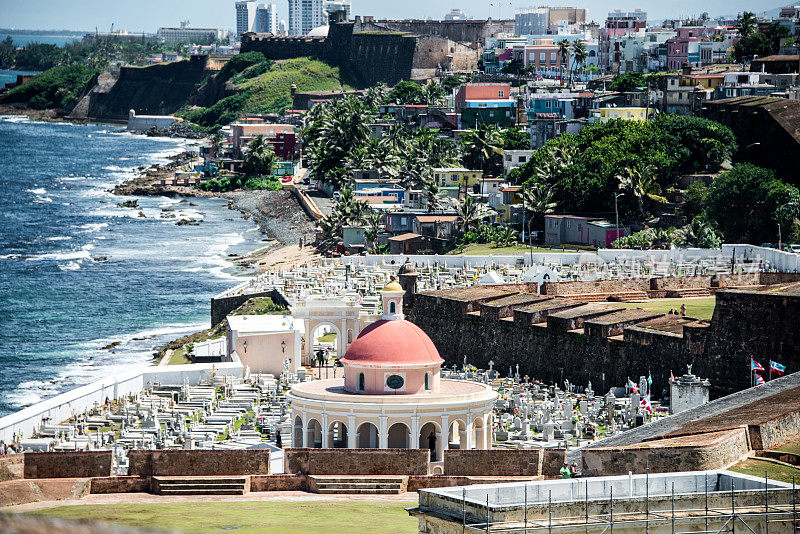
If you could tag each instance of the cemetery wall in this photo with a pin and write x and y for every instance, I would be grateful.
(12, 467)
(700, 453)
(297, 482)
(67, 464)
(198, 462)
(121, 484)
(503, 462)
(357, 461)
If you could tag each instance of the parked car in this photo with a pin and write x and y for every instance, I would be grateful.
(794, 248)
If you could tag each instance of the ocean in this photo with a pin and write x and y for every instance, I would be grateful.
(77, 272)
(8, 76)
(22, 39)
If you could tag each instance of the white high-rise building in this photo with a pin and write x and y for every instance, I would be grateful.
(245, 17)
(267, 18)
(304, 16)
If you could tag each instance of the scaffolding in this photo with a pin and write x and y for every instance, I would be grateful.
(753, 519)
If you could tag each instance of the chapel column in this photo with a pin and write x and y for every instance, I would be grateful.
(352, 434)
(383, 432)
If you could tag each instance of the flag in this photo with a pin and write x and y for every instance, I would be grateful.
(645, 404)
(649, 379)
(631, 386)
(759, 380)
(671, 377)
(776, 368)
(755, 366)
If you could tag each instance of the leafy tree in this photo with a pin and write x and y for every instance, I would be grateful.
(627, 81)
(406, 92)
(748, 202)
(513, 66)
(537, 198)
(506, 236)
(59, 87)
(760, 43)
(433, 94)
(563, 51)
(694, 200)
(700, 234)
(515, 139)
(452, 82)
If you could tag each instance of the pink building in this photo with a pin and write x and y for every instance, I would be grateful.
(542, 54)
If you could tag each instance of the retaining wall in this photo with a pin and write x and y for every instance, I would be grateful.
(198, 462)
(503, 462)
(357, 461)
(67, 464)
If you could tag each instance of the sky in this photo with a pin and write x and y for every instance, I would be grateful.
(148, 15)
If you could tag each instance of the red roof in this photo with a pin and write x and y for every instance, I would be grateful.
(392, 343)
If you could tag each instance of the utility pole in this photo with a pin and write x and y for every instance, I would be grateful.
(616, 210)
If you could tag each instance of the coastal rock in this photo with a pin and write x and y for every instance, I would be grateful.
(187, 222)
(128, 204)
(111, 345)
(142, 215)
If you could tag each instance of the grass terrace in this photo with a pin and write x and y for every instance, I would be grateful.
(756, 468)
(697, 308)
(291, 517)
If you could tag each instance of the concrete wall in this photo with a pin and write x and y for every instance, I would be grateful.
(63, 406)
(24, 491)
(127, 484)
(357, 461)
(198, 462)
(223, 305)
(503, 462)
(68, 464)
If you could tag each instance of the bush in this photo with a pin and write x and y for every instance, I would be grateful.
(58, 87)
(224, 184)
(239, 63)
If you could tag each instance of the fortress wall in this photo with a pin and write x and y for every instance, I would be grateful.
(12, 467)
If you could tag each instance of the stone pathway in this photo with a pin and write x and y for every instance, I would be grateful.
(265, 496)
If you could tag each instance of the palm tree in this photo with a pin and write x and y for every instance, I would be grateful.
(471, 211)
(260, 158)
(374, 223)
(563, 50)
(641, 184)
(505, 236)
(433, 93)
(481, 145)
(216, 144)
(699, 233)
(579, 54)
(746, 23)
(537, 198)
(381, 157)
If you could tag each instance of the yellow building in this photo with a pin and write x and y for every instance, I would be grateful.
(628, 114)
(456, 177)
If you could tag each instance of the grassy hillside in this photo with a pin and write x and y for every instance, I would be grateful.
(264, 87)
(55, 88)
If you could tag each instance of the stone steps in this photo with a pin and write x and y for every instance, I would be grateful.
(689, 292)
(201, 486)
(364, 485)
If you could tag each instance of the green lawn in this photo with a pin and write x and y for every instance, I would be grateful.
(485, 250)
(297, 517)
(179, 357)
(327, 338)
(792, 446)
(702, 308)
(774, 471)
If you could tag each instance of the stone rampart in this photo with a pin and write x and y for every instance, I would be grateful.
(120, 484)
(12, 467)
(502, 462)
(702, 452)
(24, 491)
(357, 461)
(67, 464)
(222, 306)
(198, 462)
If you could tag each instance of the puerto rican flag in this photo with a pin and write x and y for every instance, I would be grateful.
(777, 368)
(755, 366)
(645, 404)
(671, 377)
(759, 380)
(631, 386)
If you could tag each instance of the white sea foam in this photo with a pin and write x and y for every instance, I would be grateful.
(71, 266)
(93, 227)
(82, 254)
(38, 191)
(59, 238)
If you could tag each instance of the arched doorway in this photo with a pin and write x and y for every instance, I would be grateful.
(430, 437)
(326, 337)
(337, 435)
(479, 434)
(399, 436)
(313, 434)
(367, 436)
(297, 433)
(457, 437)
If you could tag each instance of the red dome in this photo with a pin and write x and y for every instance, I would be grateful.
(393, 343)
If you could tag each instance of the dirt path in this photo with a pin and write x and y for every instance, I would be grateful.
(264, 496)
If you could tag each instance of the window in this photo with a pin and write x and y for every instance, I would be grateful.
(501, 94)
(542, 57)
(392, 307)
(552, 57)
(361, 381)
(427, 386)
(523, 159)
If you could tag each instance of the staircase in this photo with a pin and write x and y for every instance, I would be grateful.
(201, 485)
(689, 292)
(358, 485)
